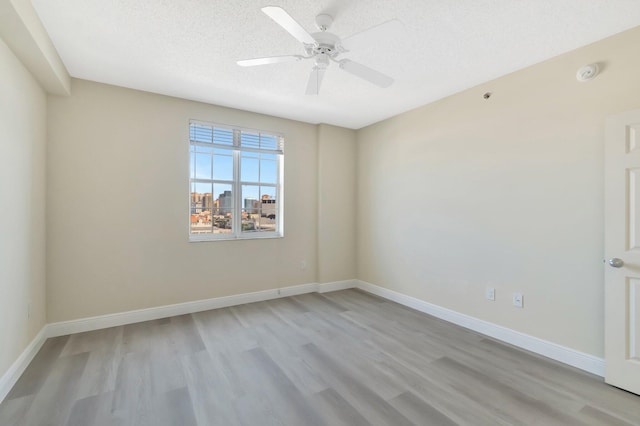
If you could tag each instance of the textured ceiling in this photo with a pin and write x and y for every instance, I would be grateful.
(188, 48)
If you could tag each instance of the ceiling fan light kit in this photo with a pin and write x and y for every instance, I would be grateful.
(324, 47)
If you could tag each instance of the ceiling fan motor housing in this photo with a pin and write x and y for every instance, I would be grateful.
(326, 43)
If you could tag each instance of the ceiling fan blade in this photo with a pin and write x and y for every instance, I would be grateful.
(366, 73)
(269, 60)
(285, 20)
(373, 36)
(315, 80)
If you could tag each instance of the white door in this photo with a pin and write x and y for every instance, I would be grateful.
(622, 251)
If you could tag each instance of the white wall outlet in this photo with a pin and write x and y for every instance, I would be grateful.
(518, 300)
(303, 265)
(490, 293)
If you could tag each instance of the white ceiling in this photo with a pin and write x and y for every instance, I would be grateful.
(188, 48)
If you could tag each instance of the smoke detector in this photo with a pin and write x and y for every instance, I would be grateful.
(588, 72)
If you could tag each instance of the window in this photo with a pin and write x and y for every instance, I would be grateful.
(235, 183)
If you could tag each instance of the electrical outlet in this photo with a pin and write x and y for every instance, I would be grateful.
(303, 265)
(490, 293)
(518, 300)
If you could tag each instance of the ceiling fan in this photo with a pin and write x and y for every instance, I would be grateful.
(325, 47)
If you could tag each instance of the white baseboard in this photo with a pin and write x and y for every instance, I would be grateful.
(11, 376)
(569, 356)
(337, 285)
(122, 318)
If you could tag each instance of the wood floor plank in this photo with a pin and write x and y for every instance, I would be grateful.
(90, 341)
(520, 407)
(254, 314)
(217, 322)
(419, 411)
(52, 404)
(285, 351)
(319, 303)
(463, 410)
(497, 368)
(182, 335)
(91, 411)
(39, 368)
(337, 410)
(255, 407)
(134, 389)
(584, 386)
(340, 358)
(286, 308)
(13, 411)
(139, 337)
(291, 406)
(374, 408)
(105, 353)
(174, 408)
(594, 417)
(222, 332)
(213, 388)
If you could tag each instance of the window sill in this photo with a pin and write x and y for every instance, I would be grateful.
(209, 238)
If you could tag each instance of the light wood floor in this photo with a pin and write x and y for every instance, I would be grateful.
(342, 358)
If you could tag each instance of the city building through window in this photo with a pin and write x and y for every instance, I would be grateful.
(235, 183)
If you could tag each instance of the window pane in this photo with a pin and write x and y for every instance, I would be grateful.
(250, 208)
(268, 192)
(259, 208)
(202, 148)
(223, 166)
(222, 208)
(268, 171)
(268, 209)
(203, 166)
(201, 208)
(250, 167)
(250, 192)
(198, 193)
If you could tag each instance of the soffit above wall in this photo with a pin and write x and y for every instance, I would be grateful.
(22, 31)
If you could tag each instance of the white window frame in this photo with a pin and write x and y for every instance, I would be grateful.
(236, 184)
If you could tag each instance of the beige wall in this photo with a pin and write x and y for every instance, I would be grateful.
(336, 201)
(117, 188)
(22, 207)
(467, 193)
